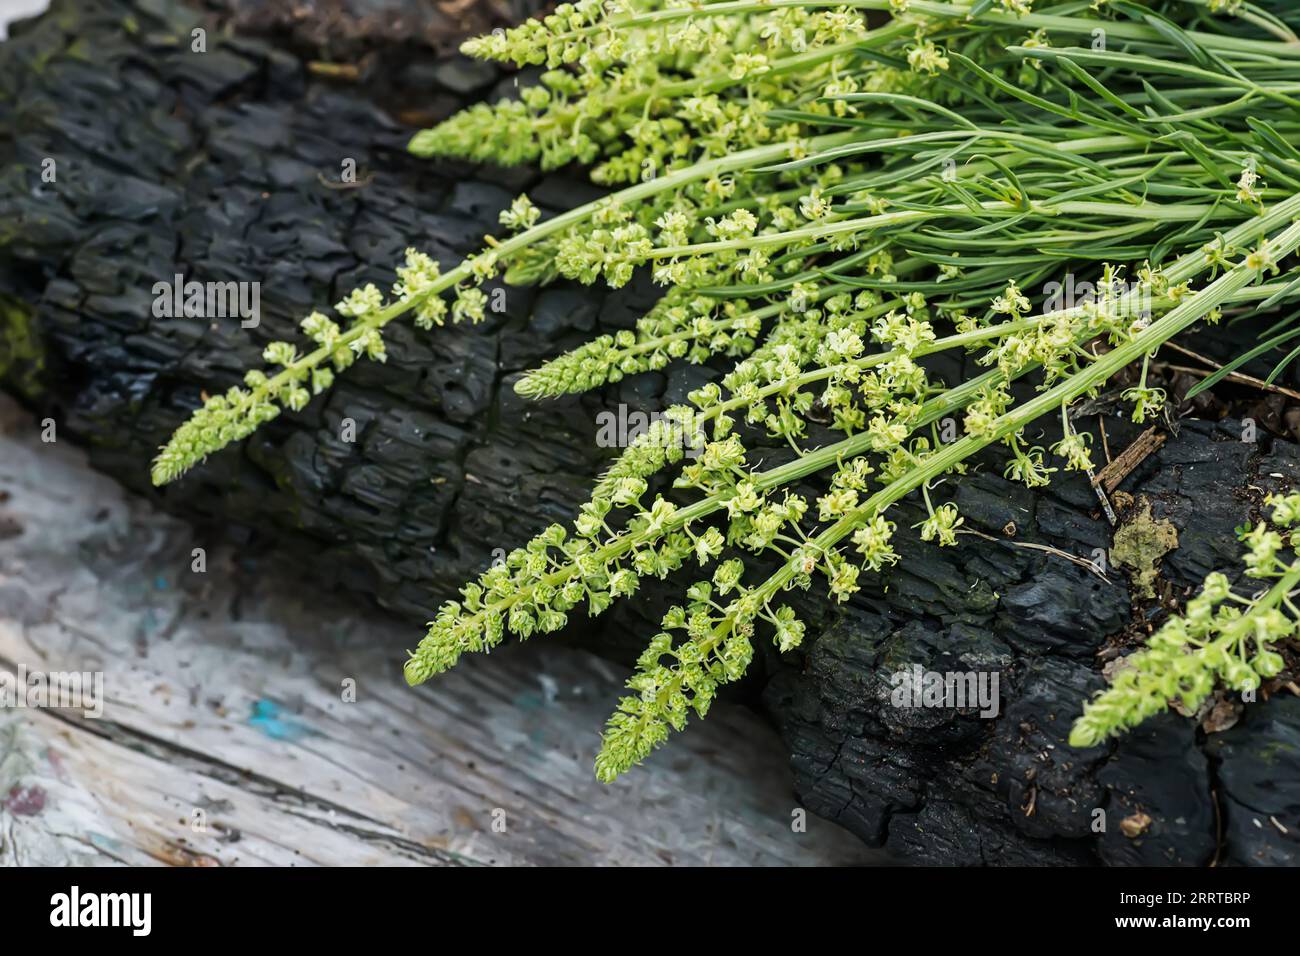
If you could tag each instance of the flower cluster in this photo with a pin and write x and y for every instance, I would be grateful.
(679, 326)
(234, 415)
(649, 89)
(1220, 638)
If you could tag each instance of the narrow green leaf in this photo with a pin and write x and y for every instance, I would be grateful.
(1239, 361)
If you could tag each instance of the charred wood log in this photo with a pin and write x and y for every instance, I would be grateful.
(224, 165)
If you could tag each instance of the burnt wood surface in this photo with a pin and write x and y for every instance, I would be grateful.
(211, 165)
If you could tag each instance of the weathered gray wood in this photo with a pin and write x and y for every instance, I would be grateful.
(224, 694)
(12, 10)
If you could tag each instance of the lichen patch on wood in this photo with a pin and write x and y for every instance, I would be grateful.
(1140, 545)
(22, 357)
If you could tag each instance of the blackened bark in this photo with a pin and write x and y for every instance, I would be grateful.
(946, 788)
(210, 165)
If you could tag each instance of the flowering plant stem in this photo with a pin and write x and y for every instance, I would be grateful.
(183, 451)
(1065, 24)
(817, 196)
(1178, 320)
(420, 666)
(1100, 371)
